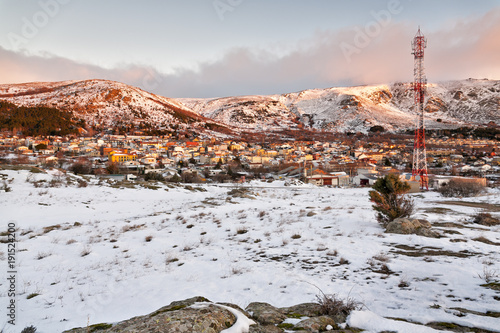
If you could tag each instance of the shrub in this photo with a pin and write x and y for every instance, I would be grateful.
(155, 176)
(174, 179)
(29, 329)
(112, 168)
(32, 295)
(488, 275)
(486, 219)
(82, 183)
(457, 187)
(241, 231)
(6, 187)
(390, 202)
(190, 177)
(403, 283)
(82, 168)
(85, 252)
(333, 305)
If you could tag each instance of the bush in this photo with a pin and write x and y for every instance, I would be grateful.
(81, 168)
(174, 179)
(457, 187)
(29, 329)
(390, 200)
(155, 176)
(190, 177)
(5, 187)
(486, 219)
(82, 183)
(333, 305)
(112, 168)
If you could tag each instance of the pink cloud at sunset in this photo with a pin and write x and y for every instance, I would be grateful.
(467, 47)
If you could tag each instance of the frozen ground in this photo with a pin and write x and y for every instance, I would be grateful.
(105, 253)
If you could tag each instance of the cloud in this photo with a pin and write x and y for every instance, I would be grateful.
(360, 55)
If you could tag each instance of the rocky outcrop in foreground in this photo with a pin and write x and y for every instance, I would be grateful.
(198, 314)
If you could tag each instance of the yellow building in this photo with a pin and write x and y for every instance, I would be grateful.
(120, 158)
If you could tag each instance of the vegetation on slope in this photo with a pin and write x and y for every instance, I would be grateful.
(38, 120)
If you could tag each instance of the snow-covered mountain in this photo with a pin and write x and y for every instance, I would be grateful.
(449, 104)
(106, 104)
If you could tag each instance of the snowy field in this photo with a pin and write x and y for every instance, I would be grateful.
(105, 253)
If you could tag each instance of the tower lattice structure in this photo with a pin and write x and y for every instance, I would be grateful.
(419, 170)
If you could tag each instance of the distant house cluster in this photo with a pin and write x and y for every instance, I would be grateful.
(336, 164)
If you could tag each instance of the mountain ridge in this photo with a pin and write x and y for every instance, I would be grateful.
(105, 104)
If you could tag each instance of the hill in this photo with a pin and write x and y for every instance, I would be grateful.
(105, 105)
(357, 109)
(117, 107)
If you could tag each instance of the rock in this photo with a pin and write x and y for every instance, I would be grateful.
(182, 304)
(234, 306)
(187, 317)
(265, 329)
(177, 317)
(408, 226)
(241, 193)
(265, 313)
(315, 324)
(303, 310)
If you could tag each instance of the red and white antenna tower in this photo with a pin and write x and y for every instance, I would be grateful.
(419, 170)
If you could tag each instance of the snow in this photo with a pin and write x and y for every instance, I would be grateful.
(101, 102)
(323, 108)
(373, 323)
(238, 250)
(108, 102)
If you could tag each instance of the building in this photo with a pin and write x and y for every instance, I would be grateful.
(114, 157)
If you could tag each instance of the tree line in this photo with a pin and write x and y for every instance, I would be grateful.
(37, 120)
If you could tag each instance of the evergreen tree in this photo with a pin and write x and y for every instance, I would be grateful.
(219, 165)
(390, 202)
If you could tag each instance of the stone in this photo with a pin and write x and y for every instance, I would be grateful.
(265, 329)
(303, 310)
(406, 226)
(265, 313)
(177, 317)
(234, 306)
(315, 324)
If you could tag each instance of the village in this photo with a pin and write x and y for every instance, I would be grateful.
(338, 163)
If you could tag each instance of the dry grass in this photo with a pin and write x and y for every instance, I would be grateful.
(404, 283)
(486, 219)
(488, 275)
(86, 251)
(42, 255)
(48, 229)
(241, 231)
(382, 257)
(333, 305)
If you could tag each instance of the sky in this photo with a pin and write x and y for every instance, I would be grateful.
(215, 48)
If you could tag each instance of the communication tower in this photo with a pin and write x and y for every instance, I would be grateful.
(419, 170)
